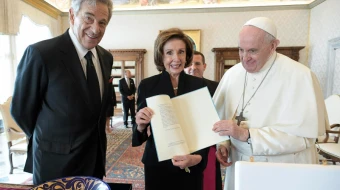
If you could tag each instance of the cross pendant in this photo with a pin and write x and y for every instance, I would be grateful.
(240, 118)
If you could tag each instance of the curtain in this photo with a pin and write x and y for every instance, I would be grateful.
(9, 17)
(41, 18)
(11, 12)
(6, 67)
(11, 50)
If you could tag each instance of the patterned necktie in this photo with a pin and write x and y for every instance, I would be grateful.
(92, 82)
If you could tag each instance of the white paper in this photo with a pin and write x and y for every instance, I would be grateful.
(183, 124)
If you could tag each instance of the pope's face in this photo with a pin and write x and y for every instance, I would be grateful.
(197, 67)
(89, 24)
(254, 51)
(174, 56)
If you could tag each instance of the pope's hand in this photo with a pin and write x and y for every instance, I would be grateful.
(229, 128)
(143, 118)
(186, 161)
(222, 156)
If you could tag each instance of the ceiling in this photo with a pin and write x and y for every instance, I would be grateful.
(121, 5)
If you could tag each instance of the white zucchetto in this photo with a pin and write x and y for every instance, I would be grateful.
(263, 23)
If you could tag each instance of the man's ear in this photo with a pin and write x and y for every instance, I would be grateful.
(275, 43)
(71, 16)
(204, 66)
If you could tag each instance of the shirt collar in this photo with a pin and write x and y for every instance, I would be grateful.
(81, 51)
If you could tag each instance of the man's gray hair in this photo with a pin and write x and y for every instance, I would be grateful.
(268, 37)
(76, 4)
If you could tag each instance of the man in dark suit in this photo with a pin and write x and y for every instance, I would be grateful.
(128, 89)
(212, 173)
(197, 68)
(61, 96)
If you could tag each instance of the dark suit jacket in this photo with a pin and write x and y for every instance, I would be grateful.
(212, 86)
(156, 85)
(51, 103)
(125, 90)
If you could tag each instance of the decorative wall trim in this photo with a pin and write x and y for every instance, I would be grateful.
(44, 7)
(54, 12)
(232, 54)
(316, 3)
(333, 45)
(211, 9)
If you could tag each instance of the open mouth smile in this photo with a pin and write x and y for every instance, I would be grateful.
(175, 66)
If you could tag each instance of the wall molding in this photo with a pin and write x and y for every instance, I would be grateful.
(333, 45)
(205, 9)
(316, 3)
(212, 8)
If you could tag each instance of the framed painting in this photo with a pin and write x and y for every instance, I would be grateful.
(195, 38)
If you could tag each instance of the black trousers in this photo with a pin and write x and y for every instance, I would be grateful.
(98, 170)
(165, 178)
(129, 105)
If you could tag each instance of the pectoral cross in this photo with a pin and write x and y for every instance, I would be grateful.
(240, 118)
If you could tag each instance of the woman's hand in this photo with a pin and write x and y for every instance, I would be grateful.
(222, 156)
(143, 118)
(186, 160)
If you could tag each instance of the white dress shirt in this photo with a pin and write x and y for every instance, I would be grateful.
(81, 53)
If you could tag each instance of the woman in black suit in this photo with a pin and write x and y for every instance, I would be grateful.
(173, 51)
(111, 106)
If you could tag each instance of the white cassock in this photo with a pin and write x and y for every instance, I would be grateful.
(284, 117)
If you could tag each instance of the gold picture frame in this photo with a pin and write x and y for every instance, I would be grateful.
(195, 36)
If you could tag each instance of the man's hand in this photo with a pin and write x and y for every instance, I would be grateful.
(229, 128)
(222, 156)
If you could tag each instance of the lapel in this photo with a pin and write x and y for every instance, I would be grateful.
(105, 75)
(69, 57)
(165, 85)
(181, 83)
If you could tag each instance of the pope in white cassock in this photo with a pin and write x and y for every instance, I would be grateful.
(270, 105)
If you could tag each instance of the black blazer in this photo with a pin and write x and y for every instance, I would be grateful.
(125, 90)
(212, 86)
(156, 85)
(51, 103)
